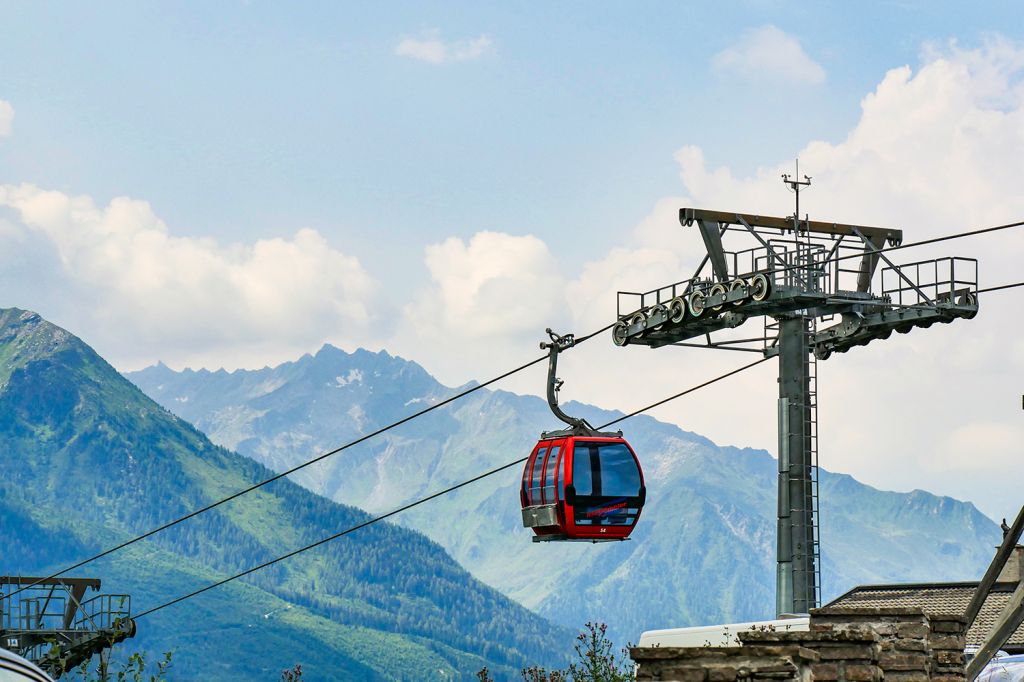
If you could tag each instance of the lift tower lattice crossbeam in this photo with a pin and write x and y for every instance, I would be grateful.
(51, 623)
(797, 274)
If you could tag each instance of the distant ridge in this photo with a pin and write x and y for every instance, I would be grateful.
(703, 552)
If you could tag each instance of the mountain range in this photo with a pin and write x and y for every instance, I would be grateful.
(90, 461)
(704, 550)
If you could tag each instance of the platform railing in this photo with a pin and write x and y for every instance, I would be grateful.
(932, 281)
(104, 611)
(818, 267)
(45, 610)
(34, 613)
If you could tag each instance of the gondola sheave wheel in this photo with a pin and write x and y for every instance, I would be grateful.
(638, 319)
(695, 303)
(760, 287)
(717, 290)
(656, 315)
(677, 310)
(619, 334)
(970, 299)
(737, 284)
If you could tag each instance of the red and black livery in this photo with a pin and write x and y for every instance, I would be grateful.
(580, 483)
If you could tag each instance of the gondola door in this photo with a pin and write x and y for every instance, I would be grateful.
(604, 489)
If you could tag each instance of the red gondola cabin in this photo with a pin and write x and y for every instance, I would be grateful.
(582, 488)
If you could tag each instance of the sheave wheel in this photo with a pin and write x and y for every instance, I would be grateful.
(695, 304)
(638, 319)
(619, 334)
(657, 309)
(677, 310)
(760, 287)
(733, 286)
(970, 299)
(717, 290)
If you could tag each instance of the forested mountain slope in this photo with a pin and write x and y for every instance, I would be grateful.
(89, 461)
(705, 547)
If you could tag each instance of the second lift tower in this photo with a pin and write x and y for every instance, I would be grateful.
(813, 286)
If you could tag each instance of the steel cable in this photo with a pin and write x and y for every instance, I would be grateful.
(908, 245)
(872, 252)
(399, 510)
(470, 481)
(453, 398)
(1000, 287)
(319, 458)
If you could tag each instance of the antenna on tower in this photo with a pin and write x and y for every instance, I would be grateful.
(795, 184)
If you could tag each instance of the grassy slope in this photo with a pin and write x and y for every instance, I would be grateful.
(91, 461)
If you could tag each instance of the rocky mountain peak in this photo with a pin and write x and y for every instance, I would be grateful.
(25, 336)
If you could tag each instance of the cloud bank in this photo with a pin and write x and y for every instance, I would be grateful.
(768, 53)
(935, 151)
(185, 297)
(431, 49)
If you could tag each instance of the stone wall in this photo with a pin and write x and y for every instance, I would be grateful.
(848, 654)
(914, 645)
(755, 663)
(843, 645)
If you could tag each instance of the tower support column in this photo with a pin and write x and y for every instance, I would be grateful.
(796, 591)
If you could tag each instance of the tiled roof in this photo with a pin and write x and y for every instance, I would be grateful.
(940, 598)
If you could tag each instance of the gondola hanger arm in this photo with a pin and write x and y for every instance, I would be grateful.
(557, 344)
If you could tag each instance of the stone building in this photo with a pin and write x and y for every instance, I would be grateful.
(861, 644)
(896, 633)
(949, 598)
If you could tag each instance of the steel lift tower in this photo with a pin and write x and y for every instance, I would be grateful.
(812, 285)
(51, 623)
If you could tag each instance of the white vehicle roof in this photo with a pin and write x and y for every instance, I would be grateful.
(1003, 668)
(718, 635)
(14, 668)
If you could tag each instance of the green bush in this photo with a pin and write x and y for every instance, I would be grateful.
(132, 670)
(596, 661)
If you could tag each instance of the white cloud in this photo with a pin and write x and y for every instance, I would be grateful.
(6, 118)
(935, 151)
(489, 297)
(997, 443)
(430, 48)
(932, 150)
(154, 294)
(490, 286)
(768, 53)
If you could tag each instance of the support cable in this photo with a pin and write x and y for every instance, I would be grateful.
(440, 493)
(1000, 287)
(319, 458)
(453, 398)
(907, 245)
(935, 240)
(920, 242)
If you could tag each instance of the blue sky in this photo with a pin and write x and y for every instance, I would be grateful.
(234, 184)
(243, 120)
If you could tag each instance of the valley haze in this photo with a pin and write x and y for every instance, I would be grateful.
(703, 552)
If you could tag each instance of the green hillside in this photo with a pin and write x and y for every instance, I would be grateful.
(705, 547)
(90, 461)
